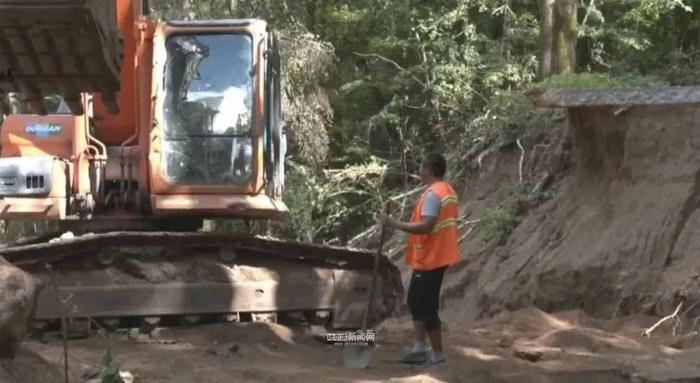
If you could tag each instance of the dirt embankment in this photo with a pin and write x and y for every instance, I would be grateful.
(620, 234)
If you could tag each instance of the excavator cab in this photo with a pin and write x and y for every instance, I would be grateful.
(158, 119)
(217, 110)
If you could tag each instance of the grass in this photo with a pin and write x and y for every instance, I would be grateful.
(593, 81)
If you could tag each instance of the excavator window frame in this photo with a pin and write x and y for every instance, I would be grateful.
(272, 114)
(251, 133)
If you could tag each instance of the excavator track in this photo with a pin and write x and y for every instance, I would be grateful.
(125, 279)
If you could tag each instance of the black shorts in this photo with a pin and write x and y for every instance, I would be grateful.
(424, 296)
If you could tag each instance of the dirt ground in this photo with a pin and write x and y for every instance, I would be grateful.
(523, 346)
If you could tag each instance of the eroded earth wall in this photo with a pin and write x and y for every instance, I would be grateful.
(621, 235)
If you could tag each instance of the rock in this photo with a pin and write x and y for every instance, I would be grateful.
(89, 372)
(218, 351)
(505, 342)
(529, 355)
(18, 295)
(29, 367)
(126, 376)
(224, 351)
(67, 236)
(154, 272)
(135, 334)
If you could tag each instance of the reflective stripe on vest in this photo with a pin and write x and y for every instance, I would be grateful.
(450, 198)
(443, 224)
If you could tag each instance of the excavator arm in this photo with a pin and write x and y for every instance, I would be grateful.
(59, 47)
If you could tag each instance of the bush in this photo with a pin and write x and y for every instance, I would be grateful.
(499, 222)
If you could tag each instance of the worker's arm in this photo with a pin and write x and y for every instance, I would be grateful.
(425, 225)
(429, 214)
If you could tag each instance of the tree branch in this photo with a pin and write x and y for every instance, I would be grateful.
(463, 237)
(407, 194)
(392, 62)
(591, 6)
(522, 160)
(647, 332)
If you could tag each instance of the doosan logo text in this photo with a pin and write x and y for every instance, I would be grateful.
(43, 130)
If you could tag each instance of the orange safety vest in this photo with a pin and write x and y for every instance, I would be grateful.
(439, 247)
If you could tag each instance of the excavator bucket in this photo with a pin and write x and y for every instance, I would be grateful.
(59, 47)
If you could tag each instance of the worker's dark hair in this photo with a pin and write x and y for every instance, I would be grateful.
(436, 163)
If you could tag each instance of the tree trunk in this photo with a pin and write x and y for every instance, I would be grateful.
(507, 32)
(232, 7)
(188, 8)
(565, 35)
(546, 37)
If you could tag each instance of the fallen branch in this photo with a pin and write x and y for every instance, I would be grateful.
(482, 155)
(465, 235)
(537, 190)
(407, 194)
(471, 222)
(686, 311)
(647, 332)
(366, 233)
(394, 63)
(522, 161)
(695, 322)
(590, 7)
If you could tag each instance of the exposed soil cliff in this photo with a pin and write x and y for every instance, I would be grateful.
(620, 234)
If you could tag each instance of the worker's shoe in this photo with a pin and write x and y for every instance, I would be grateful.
(435, 358)
(415, 357)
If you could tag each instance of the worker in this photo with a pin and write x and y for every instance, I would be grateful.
(431, 248)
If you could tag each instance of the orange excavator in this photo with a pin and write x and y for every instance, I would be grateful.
(132, 132)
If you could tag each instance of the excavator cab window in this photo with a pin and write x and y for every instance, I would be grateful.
(56, 105)
(208, 109)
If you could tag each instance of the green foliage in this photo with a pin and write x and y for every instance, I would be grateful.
(597, 81)
(302, 202)
(510, 116)
(11, 231)
(337, 204)
(109, 365)
(499, 222)
(642, 36)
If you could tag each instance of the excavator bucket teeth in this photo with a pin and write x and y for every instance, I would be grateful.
(59, 47)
